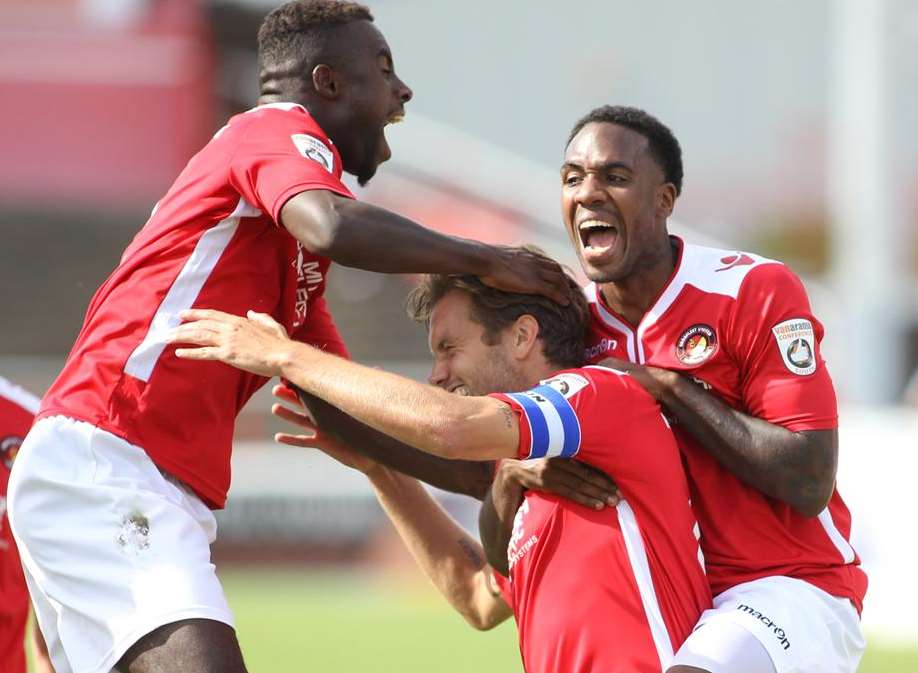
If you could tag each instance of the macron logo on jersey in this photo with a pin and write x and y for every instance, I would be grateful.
(553, 423)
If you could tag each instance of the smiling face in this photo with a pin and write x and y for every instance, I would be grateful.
(615, 202)
(465, 360)
(373, 96)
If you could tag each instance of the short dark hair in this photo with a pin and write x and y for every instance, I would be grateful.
(299, 30)
(663, 145)
(562, 329)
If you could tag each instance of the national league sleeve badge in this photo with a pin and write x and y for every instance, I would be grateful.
(796, 341)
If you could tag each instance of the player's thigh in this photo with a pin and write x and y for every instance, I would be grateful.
(803, 629)
(722, 647)
(118, 548)
(187, 646)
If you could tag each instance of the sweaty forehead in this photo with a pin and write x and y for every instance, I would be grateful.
(601, 143)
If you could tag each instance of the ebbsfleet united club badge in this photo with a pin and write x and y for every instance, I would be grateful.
(697, 344)
(796, 341)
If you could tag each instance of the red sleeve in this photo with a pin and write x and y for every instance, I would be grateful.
(320, 330)
(775, 339)
(283, 153)
(575, 413)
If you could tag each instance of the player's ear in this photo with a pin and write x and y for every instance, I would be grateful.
(666, 200)
(525, 336)
(326, 81)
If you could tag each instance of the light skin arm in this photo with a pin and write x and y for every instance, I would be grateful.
(422, 416)
(468, 477)
(349, 232)
(452, 560)
(41, 661)
(797, 468)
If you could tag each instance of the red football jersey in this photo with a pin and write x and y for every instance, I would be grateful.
(617, 589)
(213, 241)
(741, 326)
(17, 407)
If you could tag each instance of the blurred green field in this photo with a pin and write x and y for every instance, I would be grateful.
(292, 621)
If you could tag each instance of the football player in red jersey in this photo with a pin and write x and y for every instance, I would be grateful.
(17, 409)
(112, 494)
(726, 341)
(612, 589)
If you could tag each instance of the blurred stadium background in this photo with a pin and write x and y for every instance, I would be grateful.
(797, 122)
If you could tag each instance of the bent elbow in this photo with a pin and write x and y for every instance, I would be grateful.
(814, 506)
(321, 238)
(314, 219)
(480, 622)
(813, 501)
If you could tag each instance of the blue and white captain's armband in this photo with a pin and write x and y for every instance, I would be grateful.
(553, 423)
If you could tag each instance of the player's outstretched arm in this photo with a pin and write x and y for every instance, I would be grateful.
(428, 418)
(468, 477)
(360, 235)
(452, 560)
(797, 468)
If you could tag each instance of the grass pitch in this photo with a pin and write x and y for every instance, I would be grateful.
(294, 621)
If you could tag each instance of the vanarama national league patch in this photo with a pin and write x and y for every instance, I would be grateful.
(313, 148)
(796, 341)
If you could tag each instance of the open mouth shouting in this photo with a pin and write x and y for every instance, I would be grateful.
(394, 118)
(599, 239)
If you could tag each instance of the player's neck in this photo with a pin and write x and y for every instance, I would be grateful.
(528, 375)
(632, 297)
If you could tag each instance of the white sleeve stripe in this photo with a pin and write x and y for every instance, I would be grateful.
(841, 544)
(19, 396)
(184, 291)
(637, 555)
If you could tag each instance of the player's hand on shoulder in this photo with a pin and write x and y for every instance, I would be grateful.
(313, 438)
(654, 380)
(571, 479)
(518, 270)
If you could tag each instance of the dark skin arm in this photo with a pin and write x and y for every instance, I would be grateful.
(797, 468)
(467, 477)
(360, 235)
(571, 479)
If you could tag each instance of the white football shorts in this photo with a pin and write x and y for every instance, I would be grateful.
(111, 547)
(801, 627)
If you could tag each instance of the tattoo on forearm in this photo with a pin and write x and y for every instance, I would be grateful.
(471, 552)
(508, 416)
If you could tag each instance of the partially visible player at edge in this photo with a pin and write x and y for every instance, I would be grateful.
(17, 410)
(131, 447)
(614, 589)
